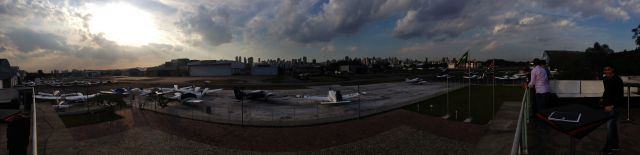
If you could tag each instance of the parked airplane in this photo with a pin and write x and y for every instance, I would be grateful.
(68, 97)
(334, 97)
(416, 81)
(192, 97)
(121, 91)
(253, 95)
(62, 105)
(445, 76)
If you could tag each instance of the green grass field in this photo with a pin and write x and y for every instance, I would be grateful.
(86, 119)
(481, 102)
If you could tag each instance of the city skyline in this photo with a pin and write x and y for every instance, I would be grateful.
(123, 34)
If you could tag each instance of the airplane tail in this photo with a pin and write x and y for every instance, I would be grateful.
(204, 92)
(238, 93)
(175, 87)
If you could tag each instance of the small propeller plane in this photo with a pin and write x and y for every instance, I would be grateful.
(334, 97)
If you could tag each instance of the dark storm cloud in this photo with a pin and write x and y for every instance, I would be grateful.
(335, 18)
(27, 40)
(209, 25)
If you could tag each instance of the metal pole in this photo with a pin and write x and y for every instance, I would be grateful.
(359, 103)
(34, 127)
(493, 90)
(446, 116)
(628, 101)
(242, 108)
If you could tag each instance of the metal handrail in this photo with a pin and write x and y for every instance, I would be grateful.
(34, 131)
(519, 145)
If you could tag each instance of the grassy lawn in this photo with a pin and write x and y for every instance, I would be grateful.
(481, 102)
(86, 119)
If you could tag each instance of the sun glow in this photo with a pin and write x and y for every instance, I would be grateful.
(123, 23)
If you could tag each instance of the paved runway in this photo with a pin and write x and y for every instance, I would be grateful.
(287, 109)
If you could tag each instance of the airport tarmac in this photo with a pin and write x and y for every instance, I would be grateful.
(286, 108)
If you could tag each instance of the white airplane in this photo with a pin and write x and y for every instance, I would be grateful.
(416, 81)
(121, 91)
(68, 97)
(445, 76)
(253, 94)
(192, 96)
(470, 77)
(62, 105)
(334, 97)
(503, 77)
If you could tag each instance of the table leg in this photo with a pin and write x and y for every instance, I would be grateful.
(572, 145)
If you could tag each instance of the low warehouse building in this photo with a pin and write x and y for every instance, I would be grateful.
(214, 68)
(264, 69)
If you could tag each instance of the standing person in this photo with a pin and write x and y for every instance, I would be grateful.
(540, 81)
(612, 99)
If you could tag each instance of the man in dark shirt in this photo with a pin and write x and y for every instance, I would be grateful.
(612, 99)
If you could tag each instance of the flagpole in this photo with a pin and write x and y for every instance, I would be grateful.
(447, 113)
(468, 120)
(493, 90)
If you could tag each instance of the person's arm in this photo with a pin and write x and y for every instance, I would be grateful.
(534, 75)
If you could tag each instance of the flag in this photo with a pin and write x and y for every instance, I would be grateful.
(463, 59)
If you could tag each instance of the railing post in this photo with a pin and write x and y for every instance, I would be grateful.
(34, 135)
(526, 121)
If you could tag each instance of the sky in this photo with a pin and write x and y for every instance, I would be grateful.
(102, 34)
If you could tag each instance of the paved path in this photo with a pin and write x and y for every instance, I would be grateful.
(499, 137)
(147, 132)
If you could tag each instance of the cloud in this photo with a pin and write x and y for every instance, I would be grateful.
(328, 48)
(490, 47)
(335, 18)
(610, 9)
(206, 27)
(27, 40)
(353, 49)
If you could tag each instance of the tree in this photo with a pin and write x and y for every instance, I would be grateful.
(636, 35)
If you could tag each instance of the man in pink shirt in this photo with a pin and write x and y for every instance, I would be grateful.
(540, 82)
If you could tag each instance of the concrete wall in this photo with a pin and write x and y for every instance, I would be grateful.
(210, 70)
(582, 88)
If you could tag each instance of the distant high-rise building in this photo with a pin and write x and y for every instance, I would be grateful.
(245, 60)
(304, 59)
(313, 61)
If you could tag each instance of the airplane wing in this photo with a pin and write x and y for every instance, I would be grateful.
(106, 92)
(175, 96)
(214, 90)
(193, 101)
(338, 102)
(47, 97)
(44, 94)
(348, 96)
(319, 98)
